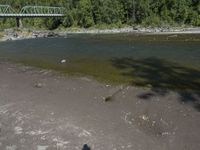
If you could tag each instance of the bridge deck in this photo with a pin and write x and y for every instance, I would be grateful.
(31, 15)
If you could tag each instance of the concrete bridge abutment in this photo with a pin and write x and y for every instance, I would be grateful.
(19, 22)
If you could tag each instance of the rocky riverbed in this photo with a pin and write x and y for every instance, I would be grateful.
(20, 34)
(11, 34)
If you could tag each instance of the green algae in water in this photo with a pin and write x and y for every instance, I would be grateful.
(102, 71)
(115, 59)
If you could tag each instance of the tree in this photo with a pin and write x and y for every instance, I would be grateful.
(52, 23)
(85, 18)
(86, 13)
(68, 20)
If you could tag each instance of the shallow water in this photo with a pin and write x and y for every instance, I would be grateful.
(118, 58)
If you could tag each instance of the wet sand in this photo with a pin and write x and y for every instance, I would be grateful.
(43, 110)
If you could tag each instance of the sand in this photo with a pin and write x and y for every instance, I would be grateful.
(44, 110)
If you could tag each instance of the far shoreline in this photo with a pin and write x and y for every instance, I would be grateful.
(13, 34)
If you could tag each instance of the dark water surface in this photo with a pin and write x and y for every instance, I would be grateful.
(159, 61)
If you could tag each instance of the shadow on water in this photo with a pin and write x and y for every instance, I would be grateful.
(162, 77)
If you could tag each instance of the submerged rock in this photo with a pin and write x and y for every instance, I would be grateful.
(63, 61)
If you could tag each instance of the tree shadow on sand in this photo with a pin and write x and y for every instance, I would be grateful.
(162, 76)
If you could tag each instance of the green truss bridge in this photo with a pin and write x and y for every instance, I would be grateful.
(6, 11)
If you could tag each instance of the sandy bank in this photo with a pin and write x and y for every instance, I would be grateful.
(40, 109)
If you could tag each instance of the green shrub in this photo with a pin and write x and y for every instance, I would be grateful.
(68, 20)
(52, 24)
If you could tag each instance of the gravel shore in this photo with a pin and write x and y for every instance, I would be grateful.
(43, 110)
(11, 34)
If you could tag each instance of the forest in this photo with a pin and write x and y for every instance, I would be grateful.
(115, 13)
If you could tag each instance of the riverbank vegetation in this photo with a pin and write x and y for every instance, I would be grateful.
(112, 13)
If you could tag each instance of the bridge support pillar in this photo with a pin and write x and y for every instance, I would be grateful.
(19, 22)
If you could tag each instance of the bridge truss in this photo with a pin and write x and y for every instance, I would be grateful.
(6, 9)
(32, 11)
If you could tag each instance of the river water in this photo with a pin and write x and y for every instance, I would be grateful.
(117, 58)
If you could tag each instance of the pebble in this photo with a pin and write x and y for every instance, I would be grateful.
(63, 61)
(145, 118)
(13, 147)
(39, 147)
(38, 85)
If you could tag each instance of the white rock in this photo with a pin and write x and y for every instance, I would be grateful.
(144, 117)
(39, 85)
(63, 61)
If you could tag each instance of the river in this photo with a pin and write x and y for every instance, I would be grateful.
(155, 60)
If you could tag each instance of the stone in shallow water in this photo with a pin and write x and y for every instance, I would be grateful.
(63, 61)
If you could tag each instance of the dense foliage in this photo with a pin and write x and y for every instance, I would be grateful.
(87, 13)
